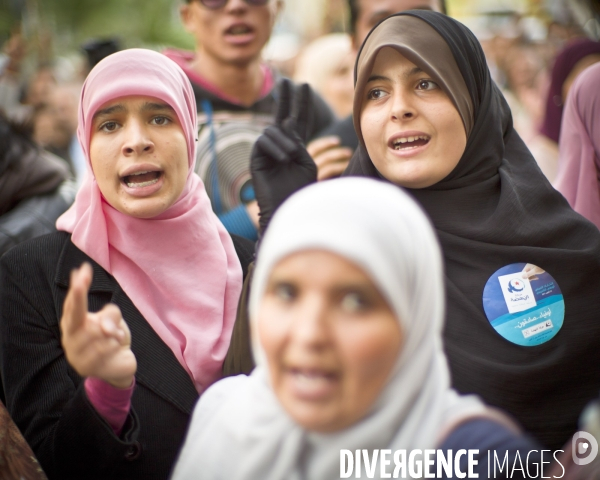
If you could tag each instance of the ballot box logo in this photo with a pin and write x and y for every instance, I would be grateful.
(516, 285)
(524, 304)
(517, 292)
(585, 448)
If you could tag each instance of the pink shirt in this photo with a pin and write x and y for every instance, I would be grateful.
(110, 402)
(183, 59)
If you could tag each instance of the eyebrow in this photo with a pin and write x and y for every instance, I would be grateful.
(374, 78)
(413, 71)
(156, 107)
(120, 108)
(410, 73)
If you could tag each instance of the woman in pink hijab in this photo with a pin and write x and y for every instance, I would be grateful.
(578, 177)
(113, 326)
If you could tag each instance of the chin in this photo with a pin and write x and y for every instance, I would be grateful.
(145, 211)
(316, 424)
(241, 59)
(319, 419)
(409, 179)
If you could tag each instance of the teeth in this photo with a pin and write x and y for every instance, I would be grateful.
(139, 173)
(402, 140)
(143, 184)
(311, 379)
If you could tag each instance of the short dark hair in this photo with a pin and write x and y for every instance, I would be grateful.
(354, 12)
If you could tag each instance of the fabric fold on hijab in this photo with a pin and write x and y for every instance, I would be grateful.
(179, 269)
(564, 63)
(242, 419)
(578, 177)
(494, 209)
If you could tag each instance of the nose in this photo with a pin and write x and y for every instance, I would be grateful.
(402, 107)
(137, 141)
(310, 328)
(236, 6)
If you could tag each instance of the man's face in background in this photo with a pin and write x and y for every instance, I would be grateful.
(235, 33)
(371, 12)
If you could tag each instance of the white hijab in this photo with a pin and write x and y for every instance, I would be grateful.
(240, 431)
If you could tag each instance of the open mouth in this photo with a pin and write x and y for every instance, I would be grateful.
(403, 143)
(313, 379)
(142, 179)
(239, 30)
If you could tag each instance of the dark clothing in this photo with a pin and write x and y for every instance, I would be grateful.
(34, 190)
(33, 217)
(26, 171)
(502, 453)
(227, 132)
(46, 397)
(494, 209)
(236, 128)
(239, 358)
(344, 129)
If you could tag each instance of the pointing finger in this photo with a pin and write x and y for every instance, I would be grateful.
(76, 303)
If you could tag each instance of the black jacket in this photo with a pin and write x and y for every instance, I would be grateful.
(34, 216)
(46, 397)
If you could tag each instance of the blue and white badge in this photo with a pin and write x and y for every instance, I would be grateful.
(524, 304)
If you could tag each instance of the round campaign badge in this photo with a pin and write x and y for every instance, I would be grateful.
(524, 304)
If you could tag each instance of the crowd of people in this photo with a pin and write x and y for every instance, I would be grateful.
(189, 290)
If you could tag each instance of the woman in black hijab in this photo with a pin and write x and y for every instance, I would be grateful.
(493, 208)
(439, 127)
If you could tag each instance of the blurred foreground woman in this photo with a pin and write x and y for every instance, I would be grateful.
(347, 308)
(102, 363)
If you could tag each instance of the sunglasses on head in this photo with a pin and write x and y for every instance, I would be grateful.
(216, 4)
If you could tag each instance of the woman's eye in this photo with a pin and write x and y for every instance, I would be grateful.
(426, 85)
(375, 94)
(160, 120)
(354, 302)
(285, 292)
(109, 126)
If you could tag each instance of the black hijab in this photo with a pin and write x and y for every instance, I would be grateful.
(494, 209)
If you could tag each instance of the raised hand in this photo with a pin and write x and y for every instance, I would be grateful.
(280, 164)
(329, 156)
(95, 344)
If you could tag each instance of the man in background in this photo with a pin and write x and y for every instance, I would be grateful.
(236, 95)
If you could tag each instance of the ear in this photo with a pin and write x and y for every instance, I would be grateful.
(277, 9)
(185, 14)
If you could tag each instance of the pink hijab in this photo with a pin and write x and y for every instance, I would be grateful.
(578, 177)
(180, 268)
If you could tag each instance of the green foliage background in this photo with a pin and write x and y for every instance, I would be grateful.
(69, 23)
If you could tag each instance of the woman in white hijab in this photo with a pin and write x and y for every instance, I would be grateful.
(346, 307)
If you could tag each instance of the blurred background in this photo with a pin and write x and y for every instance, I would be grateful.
(53, 32)
(49, 45)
